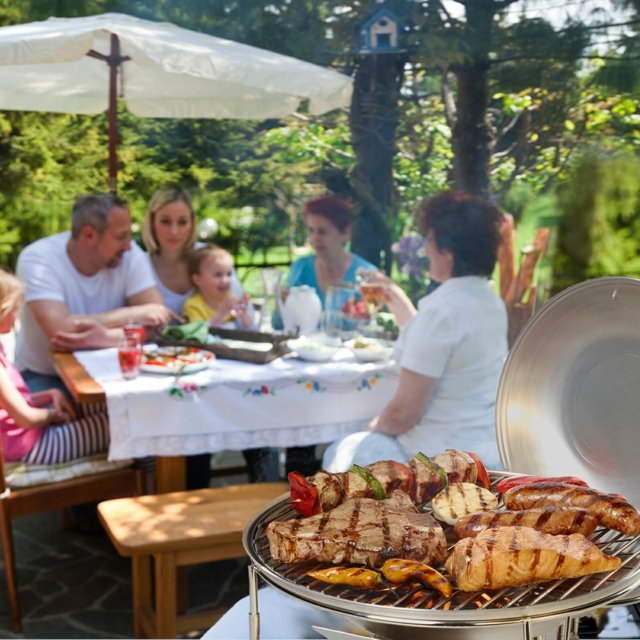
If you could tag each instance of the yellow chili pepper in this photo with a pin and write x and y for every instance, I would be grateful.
(357, 577)
(398, 571)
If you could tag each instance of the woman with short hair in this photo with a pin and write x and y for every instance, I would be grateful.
(451, 349)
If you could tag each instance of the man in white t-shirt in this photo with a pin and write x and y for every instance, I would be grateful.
(82, 286)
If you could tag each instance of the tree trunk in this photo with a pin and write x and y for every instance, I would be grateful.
(473, 137)
(373, 120)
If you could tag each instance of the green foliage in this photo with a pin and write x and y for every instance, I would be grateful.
(253, 177)
(600, 229)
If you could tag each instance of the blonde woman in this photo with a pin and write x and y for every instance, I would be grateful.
(169, 233)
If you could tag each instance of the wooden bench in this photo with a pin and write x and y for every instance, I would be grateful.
(179, 529)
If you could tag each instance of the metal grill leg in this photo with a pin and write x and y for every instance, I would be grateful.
(254, 615)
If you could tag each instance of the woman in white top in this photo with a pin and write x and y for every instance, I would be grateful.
(169, 233)
(451, 350)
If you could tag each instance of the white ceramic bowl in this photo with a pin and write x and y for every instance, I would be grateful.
(314, 349)
(369, 349)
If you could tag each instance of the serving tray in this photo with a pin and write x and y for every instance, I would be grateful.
(246, 346)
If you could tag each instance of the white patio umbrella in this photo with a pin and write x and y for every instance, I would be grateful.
(83, 65)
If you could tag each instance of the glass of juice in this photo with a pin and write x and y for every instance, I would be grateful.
(133, 328)
(372, 290)
(130, 355)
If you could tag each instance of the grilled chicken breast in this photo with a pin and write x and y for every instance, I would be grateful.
(511, 556)
(552, 520)
(360, 531)
(611, 511)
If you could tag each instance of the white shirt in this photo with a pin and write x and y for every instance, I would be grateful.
(458, 336)
(172, 299)
(48, 274)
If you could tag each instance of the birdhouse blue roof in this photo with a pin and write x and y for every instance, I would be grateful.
(379, 34)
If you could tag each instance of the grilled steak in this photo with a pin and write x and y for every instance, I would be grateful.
(611, 510)
(511, 556)
(553, 520)
(360, 531)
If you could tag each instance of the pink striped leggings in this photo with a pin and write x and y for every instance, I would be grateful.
(63, 442)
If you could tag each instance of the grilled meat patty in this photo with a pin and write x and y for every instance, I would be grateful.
(511, 556)
(360, 531)
(552, 520)
(611, 510)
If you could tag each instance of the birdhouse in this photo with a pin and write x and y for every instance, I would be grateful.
(379, 34)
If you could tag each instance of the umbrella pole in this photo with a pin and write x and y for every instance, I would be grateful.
(113, 61)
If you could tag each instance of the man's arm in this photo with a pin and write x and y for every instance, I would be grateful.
(68, 332)
(146, 308)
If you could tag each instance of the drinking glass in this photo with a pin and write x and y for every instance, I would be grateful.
(130, 355)
(372, 291)
(133, 328)
(343, 311)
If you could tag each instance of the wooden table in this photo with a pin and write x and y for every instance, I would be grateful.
(170, 470)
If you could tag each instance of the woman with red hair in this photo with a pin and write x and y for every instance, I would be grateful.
(328, 222)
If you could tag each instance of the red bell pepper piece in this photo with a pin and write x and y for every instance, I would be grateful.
(304, 496)
(483, 476)
(516, 481)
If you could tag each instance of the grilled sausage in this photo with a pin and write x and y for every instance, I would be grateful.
(611, 510)
(552, 520)
(510, 556)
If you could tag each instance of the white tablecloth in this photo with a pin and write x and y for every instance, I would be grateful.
(237, 405)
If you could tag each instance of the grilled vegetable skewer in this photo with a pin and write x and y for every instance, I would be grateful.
(422, 478)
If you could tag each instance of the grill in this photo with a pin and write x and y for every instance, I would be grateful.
(411, 612)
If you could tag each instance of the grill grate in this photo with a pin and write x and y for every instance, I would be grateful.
(557, 594)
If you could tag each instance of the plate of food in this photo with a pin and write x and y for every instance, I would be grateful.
(315, 348)
(369, 349)
(174, 360)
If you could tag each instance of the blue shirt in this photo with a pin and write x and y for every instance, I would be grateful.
(303, 271)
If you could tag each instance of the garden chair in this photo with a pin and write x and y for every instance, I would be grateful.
(28, 489)
(518, 288)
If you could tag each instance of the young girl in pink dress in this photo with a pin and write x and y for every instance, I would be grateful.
(40, 427)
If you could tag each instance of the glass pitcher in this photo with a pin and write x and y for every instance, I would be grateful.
(270, 284)
(343, 315)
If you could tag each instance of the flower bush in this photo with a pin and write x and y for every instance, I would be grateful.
(412, 264)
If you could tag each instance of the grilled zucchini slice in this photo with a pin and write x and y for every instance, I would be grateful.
(460, 499)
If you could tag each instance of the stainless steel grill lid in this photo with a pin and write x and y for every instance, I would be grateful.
(569, 396)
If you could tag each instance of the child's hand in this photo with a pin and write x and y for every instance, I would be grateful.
(225, 312)
(63, 408)
(241, 310)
